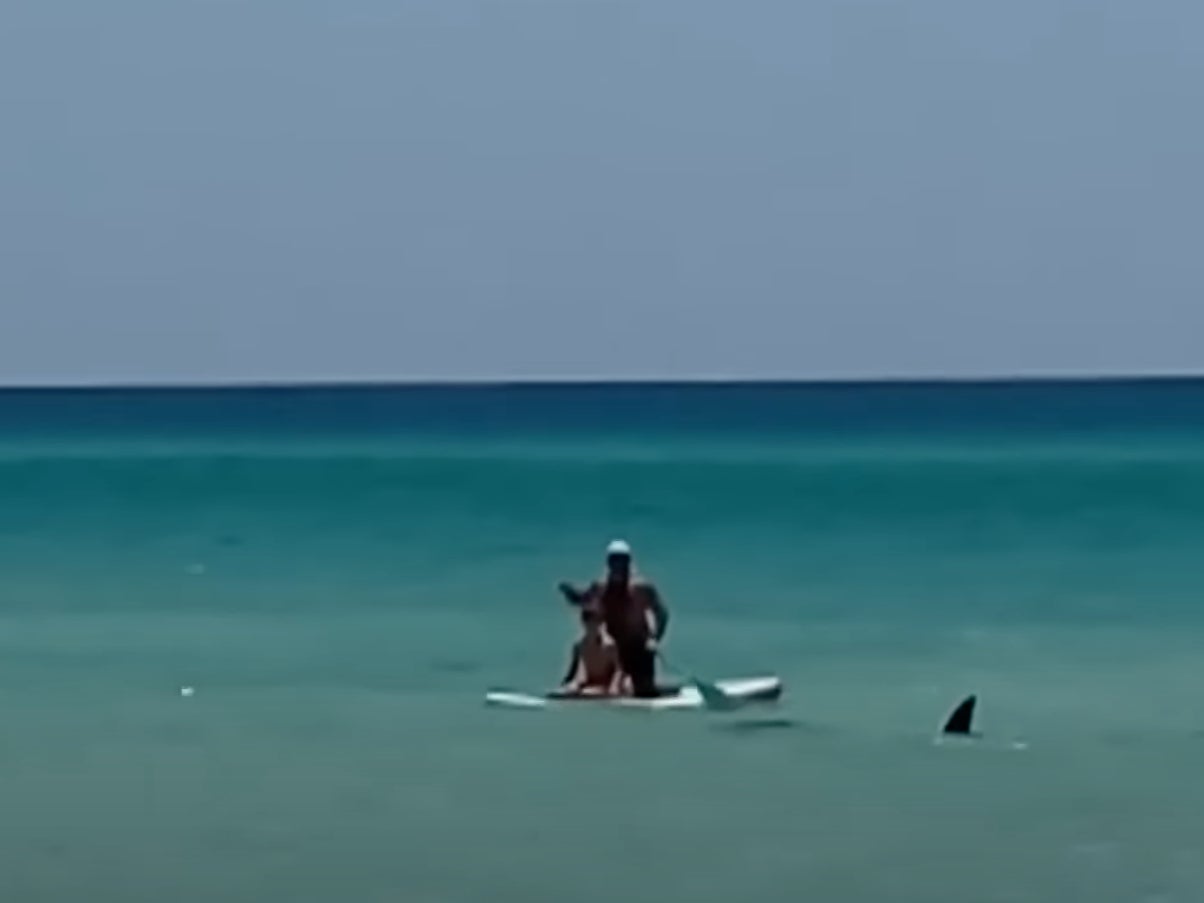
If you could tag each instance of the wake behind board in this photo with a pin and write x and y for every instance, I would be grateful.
(739, 691)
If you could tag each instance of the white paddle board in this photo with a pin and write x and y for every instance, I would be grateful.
(739, 691)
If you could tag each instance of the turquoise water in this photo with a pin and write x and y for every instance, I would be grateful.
(341, 574)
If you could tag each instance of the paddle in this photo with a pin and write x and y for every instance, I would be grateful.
(713, 696)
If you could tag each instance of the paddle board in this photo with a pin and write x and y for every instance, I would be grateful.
(739, 690)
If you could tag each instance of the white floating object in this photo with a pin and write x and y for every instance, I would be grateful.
(186, 692)
(740, 691)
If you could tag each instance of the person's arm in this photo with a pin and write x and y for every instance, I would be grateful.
(659, 611)
(570, 676)
(575, 596)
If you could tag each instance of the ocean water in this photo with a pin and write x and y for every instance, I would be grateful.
(341, 574)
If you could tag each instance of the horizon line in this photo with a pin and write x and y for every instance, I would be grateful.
(359, 383)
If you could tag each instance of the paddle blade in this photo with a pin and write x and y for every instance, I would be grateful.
(714, 698)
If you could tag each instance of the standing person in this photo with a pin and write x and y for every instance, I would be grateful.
(635, 616)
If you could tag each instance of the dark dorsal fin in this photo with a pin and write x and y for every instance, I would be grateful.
(962, 719)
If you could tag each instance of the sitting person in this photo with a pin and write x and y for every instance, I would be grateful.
(594, 669)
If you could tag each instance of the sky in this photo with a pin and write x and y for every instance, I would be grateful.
(275, 190)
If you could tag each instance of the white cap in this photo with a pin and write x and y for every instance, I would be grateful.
(618, 547)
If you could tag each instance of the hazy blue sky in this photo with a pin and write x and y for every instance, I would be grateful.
(243, 189)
